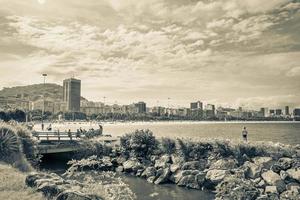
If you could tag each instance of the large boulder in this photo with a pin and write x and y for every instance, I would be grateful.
(224, 164)
(252, 170)
(148, 172)
(31, 179)
(175, 178)
(294, 174)
(215, 176)
(163, 161)
(235, 188)
(282, 164)
(195, 165)
(189, 181)
(164, 176)
(264, 162)
(289, 195)
(132, 165)
(273, 179)
(49, 189)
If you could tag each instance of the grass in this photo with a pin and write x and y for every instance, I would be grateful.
(12, 185)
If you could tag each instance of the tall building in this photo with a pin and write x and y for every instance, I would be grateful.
(197, 105)
(286, 110)
(72, 94)
(278, 112)
(264, 112)
(141, 106)
(210, 110)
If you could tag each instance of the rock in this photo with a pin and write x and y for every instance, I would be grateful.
(200, 178)
(273, 179)
(72, 195)
(120, 169)
(49, 189)
(215, 176)
(293, 186)
(148, 172)
(294, 174)
(139, 172)
(132, 165)
(264, 162)
(189, 181)
(121, 160)
(174, 167)
(164, 177)
(271, 189)
(252, 170)
(289, 195)
(283, 175)
(282, 164)
(163, 161)
(151, 179)
(261, 184)
(33, 177)
(175, 178)
(236, 189)
(176, 159)
(224, 164)
(195, 165)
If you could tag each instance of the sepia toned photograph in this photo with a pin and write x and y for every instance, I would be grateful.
(149, 99)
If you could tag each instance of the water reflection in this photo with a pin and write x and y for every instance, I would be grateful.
(148, 191)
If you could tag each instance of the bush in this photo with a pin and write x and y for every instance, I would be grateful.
(11, 148)
(9, 142)
(92, 148)
(140, 143)
(223, 149)
(168, 145)
(194, 150)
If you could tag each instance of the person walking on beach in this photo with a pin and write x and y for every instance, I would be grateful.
(245, 134)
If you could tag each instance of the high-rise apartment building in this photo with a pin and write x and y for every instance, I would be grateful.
(141, 106)
(197, 105)
(72, 94)
(286, 110)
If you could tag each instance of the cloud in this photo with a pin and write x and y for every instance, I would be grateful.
(295, 71)
(198, 48)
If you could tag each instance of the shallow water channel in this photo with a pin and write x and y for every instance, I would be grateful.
(142, 189)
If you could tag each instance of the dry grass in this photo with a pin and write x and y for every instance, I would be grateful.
(12, 185)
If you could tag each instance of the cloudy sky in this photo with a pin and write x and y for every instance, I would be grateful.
(230, 52)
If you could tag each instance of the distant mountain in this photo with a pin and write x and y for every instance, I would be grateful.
(35, 92)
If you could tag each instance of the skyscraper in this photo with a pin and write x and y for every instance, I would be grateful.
(72, 94)
(197, 105)
(141, 106)
(286, 110)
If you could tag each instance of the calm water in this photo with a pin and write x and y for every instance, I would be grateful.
(284, 132)
(148, 191)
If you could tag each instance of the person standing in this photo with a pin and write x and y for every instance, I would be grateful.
(245, 134)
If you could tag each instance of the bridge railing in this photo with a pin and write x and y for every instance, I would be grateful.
(57, 136)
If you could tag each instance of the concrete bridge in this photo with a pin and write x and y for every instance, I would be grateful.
(62, 142)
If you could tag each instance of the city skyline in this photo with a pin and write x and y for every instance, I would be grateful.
(233, 53)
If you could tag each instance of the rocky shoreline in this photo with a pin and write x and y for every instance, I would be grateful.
(232, 171)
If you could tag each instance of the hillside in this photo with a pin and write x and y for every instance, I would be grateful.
(35, 92)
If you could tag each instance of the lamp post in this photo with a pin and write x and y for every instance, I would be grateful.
(44, 76)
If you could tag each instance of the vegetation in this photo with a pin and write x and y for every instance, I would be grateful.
(12, 185)
(168, 145)
(17, 115)
(16, 145)
(140, 143)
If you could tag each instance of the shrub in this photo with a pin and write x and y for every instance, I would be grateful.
(11, 148)
(9, 142)
(223, 149)
(168, 145)
(92, 148)
(140, 143)
(194, 150)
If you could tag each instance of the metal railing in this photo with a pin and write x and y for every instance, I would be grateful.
(57, 136)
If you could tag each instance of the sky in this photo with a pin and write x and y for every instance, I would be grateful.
(227, 52)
